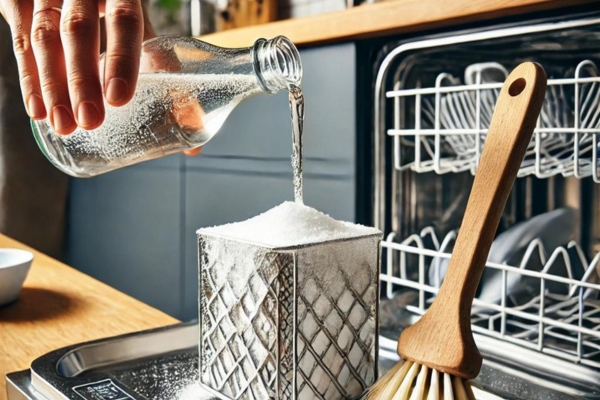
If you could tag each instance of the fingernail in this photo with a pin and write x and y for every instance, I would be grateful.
(35, 107)
(116, 91)
(87, 115)
(61, 119)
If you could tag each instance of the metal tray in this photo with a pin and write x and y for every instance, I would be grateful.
(153, 364)
(160, 363)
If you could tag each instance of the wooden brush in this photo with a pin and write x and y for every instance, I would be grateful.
(439, 350)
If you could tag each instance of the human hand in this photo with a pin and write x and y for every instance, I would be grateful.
(57, 47)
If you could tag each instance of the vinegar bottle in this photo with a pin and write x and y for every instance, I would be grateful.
(185, 91)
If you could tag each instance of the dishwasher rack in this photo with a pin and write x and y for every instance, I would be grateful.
(565, 325)
(431, 114)
(451, 121)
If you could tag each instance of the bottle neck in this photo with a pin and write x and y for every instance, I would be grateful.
(276, 64)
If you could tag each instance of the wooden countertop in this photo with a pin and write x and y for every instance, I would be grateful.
(60, 306)
(378, 19)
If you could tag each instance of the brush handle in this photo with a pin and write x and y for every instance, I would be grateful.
(447, 343)
(513, 122)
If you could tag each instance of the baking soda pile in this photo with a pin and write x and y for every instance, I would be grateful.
(290, 224)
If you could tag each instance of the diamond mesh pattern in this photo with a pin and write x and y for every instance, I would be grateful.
(240, 348)
(286, 327)
(257, 304)
(336, 328)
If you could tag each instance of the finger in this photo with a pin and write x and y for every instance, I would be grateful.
(186, 111)
(189, 115)
(124, 31)
(49, 57)
(19, 14)
(80, 38)
(193, 152)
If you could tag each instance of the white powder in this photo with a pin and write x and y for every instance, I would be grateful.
(195, 392)
(290, 224)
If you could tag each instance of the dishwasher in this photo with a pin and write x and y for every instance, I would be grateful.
(536, 317)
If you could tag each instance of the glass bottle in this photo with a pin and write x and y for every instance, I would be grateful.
(185, 91)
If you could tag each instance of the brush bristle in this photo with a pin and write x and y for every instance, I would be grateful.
(411, 381)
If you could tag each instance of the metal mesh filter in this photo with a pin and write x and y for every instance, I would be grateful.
(295, 323)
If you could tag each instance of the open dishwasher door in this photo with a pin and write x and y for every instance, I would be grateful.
(536, 317)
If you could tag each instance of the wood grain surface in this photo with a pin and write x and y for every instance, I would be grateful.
(442, 338)
(391, 17)
(243, 13)
(60, 306)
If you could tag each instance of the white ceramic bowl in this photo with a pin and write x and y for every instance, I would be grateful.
(14, 266)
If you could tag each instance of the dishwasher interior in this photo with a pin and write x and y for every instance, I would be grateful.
(537, 311)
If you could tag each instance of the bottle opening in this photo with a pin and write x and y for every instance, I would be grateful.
(277, 63)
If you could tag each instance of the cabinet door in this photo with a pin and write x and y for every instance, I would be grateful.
(124, 229)
(246, 169)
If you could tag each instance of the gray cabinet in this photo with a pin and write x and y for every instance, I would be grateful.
(135, 228)
(124, 228)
